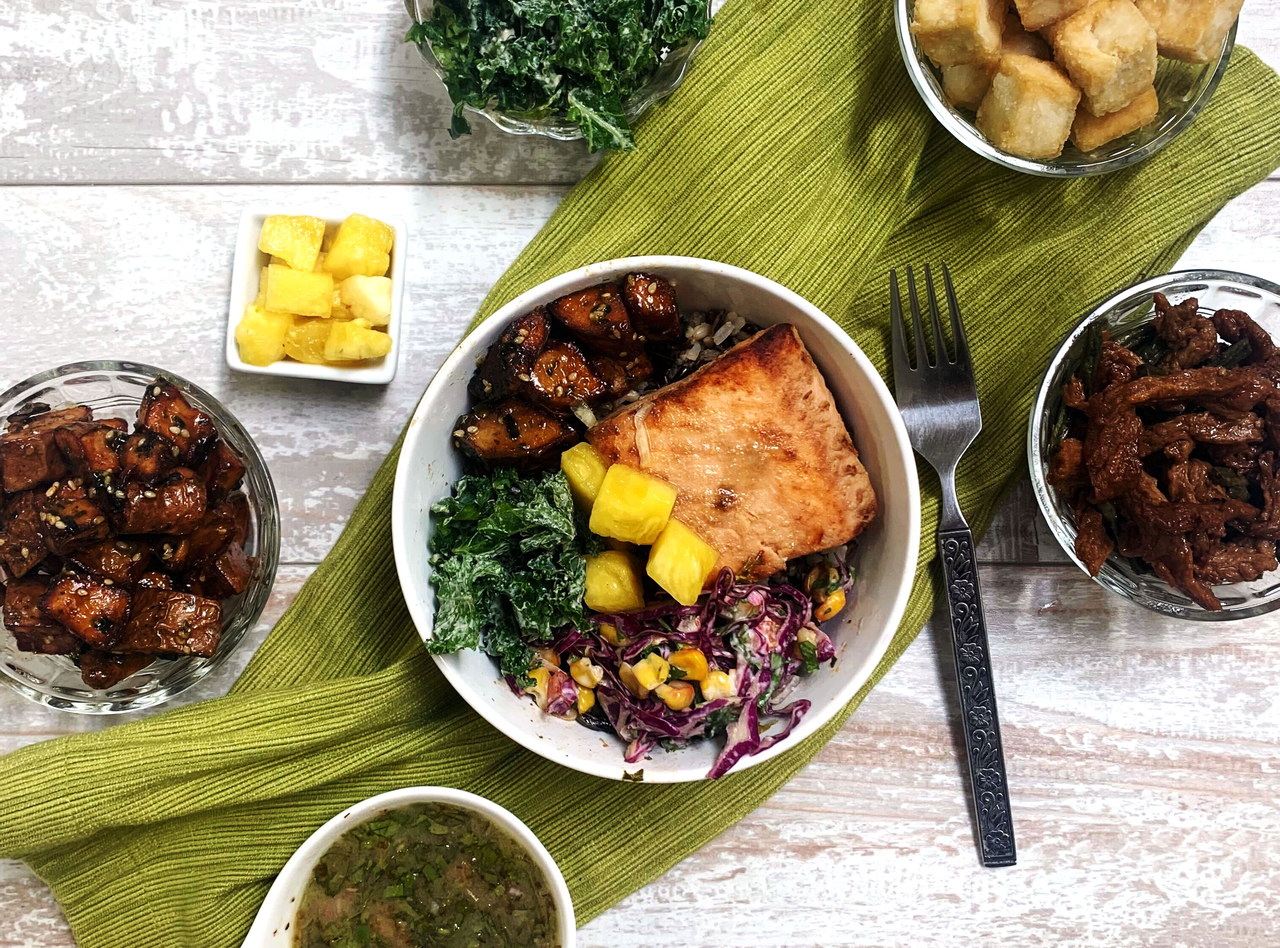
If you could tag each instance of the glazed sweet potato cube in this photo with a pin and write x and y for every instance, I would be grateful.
(1029, 109)
(227, 574)
(511, 356)
(92, 450)
(145, 457)
(106, 669)
(167, 412)
(951, 32)
(561, 377)
(513, 432)
(175, 504)
(22, 545)
(73, 516)
(47, 640)
(1037, 14)
(1109, 50)
(1090, 132)
(22, 604)
(30, 458)
(121, 560)
(597, 317)
(1191, 30)
(96, 613)
(172, 623)
(222, 471)
(651, 302)
(40, 417)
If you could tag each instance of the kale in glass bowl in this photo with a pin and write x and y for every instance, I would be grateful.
(565, 69)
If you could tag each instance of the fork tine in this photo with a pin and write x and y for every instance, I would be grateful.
(917, 328)
(939, 340)
(957, 327)
(901, 361)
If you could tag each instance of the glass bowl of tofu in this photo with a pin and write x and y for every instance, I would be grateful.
(140, 536)
(778, 441)
(1066, 88)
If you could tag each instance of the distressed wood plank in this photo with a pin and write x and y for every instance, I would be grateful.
(143, 273)
(124, 91)
(1142, 764)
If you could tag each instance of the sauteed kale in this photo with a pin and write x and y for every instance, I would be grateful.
(578, 60)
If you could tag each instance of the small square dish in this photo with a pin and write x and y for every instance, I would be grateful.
(245, 274)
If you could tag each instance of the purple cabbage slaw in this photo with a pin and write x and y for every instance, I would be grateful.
(749, 630)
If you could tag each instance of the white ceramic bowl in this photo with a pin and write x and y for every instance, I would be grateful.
(273, 926)
(248, 264)
(886, 552)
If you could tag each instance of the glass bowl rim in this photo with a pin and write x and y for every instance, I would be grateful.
(1065, 533)
(267, 510)
(968, 135)
(513, 124)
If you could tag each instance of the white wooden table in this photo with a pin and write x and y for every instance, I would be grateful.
(1144, 754)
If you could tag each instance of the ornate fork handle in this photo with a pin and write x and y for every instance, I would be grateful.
(977, 699)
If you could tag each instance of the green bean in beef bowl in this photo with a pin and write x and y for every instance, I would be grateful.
(428, 873)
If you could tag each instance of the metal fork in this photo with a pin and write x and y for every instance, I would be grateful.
(939, 405)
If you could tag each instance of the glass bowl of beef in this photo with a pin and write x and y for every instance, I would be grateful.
(1181, 91)
(1206, 461)
(40, 657)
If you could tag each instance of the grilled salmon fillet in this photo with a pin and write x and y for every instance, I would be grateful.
(756, 447)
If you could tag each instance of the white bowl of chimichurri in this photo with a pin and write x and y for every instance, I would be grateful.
(417, 866)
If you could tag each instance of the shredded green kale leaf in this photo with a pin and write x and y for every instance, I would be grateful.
(576, 60)
(508, 563)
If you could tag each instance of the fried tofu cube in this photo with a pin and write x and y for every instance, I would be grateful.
(1090, 132)
(303, 294)
(613, 582)
(1109, 50)
(165, 411)
(966, 84)
(1191, 30)
(145, 457)
(30, 458)
(47, 640)
(22, 544)
(120, 560)
(651, 301)
(222, 471)
(294, 239)
(951, 32)
(73, 516)
(1037, 14)
(361, 246)
(1018, 40)
(22, 605)
(1029, 109)
(93, 611)
(172, 623)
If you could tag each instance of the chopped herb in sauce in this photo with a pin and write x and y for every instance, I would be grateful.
(429, 874)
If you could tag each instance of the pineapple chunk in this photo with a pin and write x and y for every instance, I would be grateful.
(352, 342)
(298, 292)
(260, 335)
(585, 469)
(361, 246)
(305, 342)
(613, 582)
(295, 240)
(260, 300)
(680, 562)
(339, 309)
(319, 267)
(368, 298)
(631, 505)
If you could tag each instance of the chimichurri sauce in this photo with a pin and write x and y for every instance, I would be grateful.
(429, 874)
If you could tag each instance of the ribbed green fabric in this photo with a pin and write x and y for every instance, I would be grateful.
(797, 149)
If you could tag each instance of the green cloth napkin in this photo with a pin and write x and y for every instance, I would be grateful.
(797, 149)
